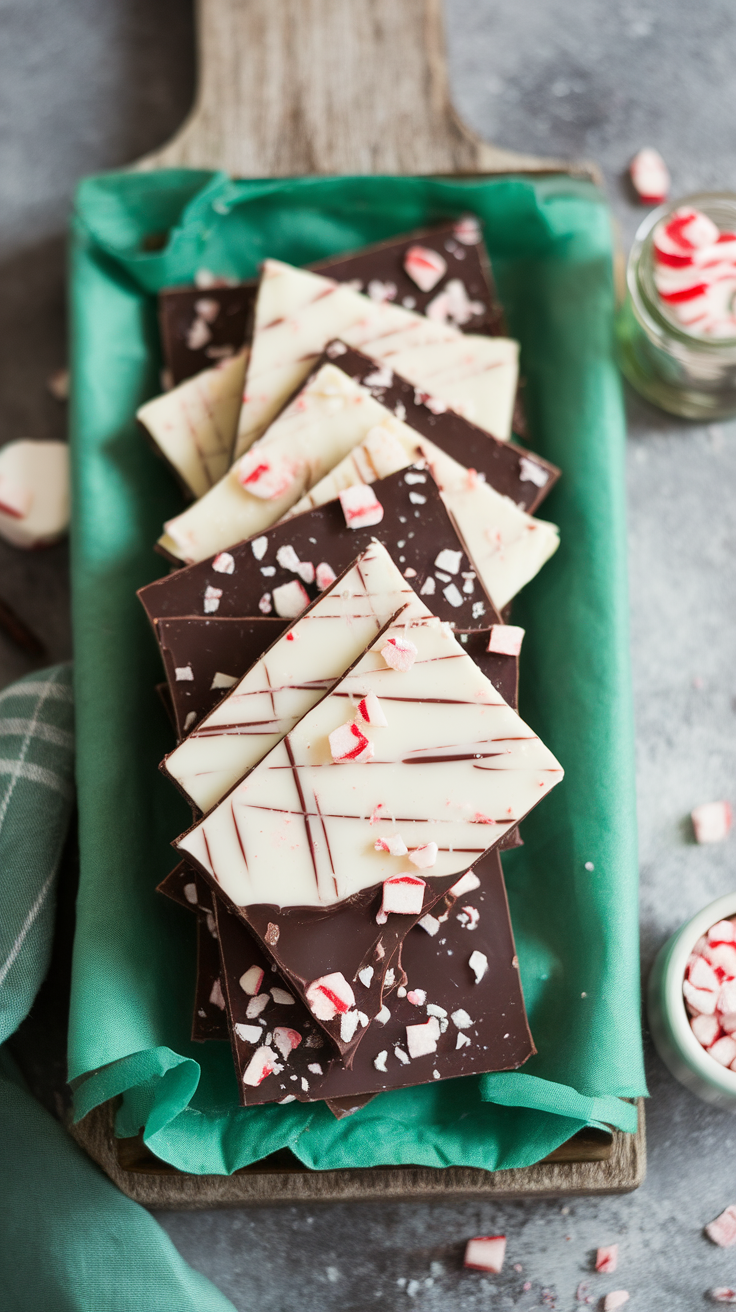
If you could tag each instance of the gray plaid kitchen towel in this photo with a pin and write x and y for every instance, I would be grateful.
(36, 797)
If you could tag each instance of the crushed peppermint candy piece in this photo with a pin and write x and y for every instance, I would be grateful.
(469, 917)
(424, 857)
(722, 1231)
(615, 1299)
(381, 291)
(220, 680)
(217, 997)
(256, 1006)
(531, 472)
(262, 1063)
(401, 1056)
(282, 998)
(348, 1025)
(478, 962)
(264, 604)
(211, 599)
(724, 1050)
(428, 587)
(287, 558)
(325, 575)
(380, 1061)
(421, 1040)
(425, 267)
(381, 378)
(394, 845)
(702, 1000)
(711, 822)
(723, 1295)
(251, 981)
(467, 230)
(452, 594)
(400, 654)
(384, 1015)
(371, 712)
(462, 1042)
(724, 931)
(286, 1040)
(314, 1068)
(449, 560)
(461, 1019)
(650, 176)
(349, 743)
(365, 976)
(360, 506)
(224, 563)
(430, 924)
(190, 893)
(330, 996)
(248, 1033)
(706, 1029)
(467, 883)
(606, 1259)
(505, 639)
(485, 1253)
(403, 895)
(417, 997)
(259, 547)
(290, 600)
(265, 477)
(184, 674)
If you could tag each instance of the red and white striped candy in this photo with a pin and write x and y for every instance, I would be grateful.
(695, 273)
(702, 975)
(266, 476)
(360, 506)
(400, 654)
(371, 711)
(615, 1299)
(701, 1000)
(393, 844)
(724, 931)
(251, 981)
(286, 1040)
(722, 1231)
(325, 575)
(711, 822)
(722, 957)
(402, 895)
(486, 1253)
(606, 1259)
(424, 857)
(329, 996)
(262, 1063)
(349, 743)
(425, 267)
(706, 1029)
(723, 1050)
(650, 176)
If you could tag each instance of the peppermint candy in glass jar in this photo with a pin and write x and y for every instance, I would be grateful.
(677, 328)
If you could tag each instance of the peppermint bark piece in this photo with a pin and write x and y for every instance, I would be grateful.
(203, 326)
(296, 314)
(204, 657)
(453, 766)
(292, 676)
(193, 426)
(414, 532)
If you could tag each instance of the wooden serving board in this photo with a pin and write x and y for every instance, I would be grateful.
(288, 88)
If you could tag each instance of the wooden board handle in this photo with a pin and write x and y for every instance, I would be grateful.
(292, 87)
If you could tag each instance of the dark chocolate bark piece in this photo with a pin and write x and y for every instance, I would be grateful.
(200, 327)
(204, 657)
(413, 533)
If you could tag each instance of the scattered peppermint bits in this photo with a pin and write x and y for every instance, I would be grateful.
(615, 1299)
(467, 230)
(421, 1040)
(485, 1253)
(224, 563)
(256, 1006)
(469, 917)
(290, 599)
(329, 996)
(184, 674)
(425, 856)
(286, 1040)
(709, 990)
(380, 1061)
(211, 599)
(461, 1019)
(417, 997)
(220, 680)
(723, 1295)
(259, 547)
(430, 924)
(266, 477)
(531, 472)
(449, 560)
(360, 506)
(400, 654)
(325, 575)
(282, 997)
(505, 639)
(711, 822)
(452, 595)
(251, 981)
(248, 1033)
(262, 1063)
(394, 845)
(265, 605)
(606, 1259)
(478, 962)
(650, 176)
(371, 711)
(349, 743)
(425, 267)
(428, 587)
(402, 895)
(722, 1231)
(365, 976)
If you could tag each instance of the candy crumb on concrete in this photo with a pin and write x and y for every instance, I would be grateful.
(606, 1259)
(485, 1253)
(615, 1299)
(711, 822)
(722, 1231)
(723, 1295)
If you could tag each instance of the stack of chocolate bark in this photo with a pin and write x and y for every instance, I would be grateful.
(340, 676)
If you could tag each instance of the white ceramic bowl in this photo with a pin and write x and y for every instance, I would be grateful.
(669, 1020)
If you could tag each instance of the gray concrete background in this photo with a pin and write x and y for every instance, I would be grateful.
(85, 86)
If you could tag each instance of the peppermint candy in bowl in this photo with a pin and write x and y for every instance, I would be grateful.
(692, 1003)
(677, 328)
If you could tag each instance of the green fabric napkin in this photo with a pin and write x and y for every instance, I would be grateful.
(572, 888)
(69, 1240)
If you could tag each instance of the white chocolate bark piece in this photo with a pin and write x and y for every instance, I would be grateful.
(328, 417)
(506, 545)
(194, 424)
(294, 674)
(454, 766)
(34, 492)
(298, 312)
(476, 376)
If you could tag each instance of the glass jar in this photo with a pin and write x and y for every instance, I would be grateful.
(677, 370)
